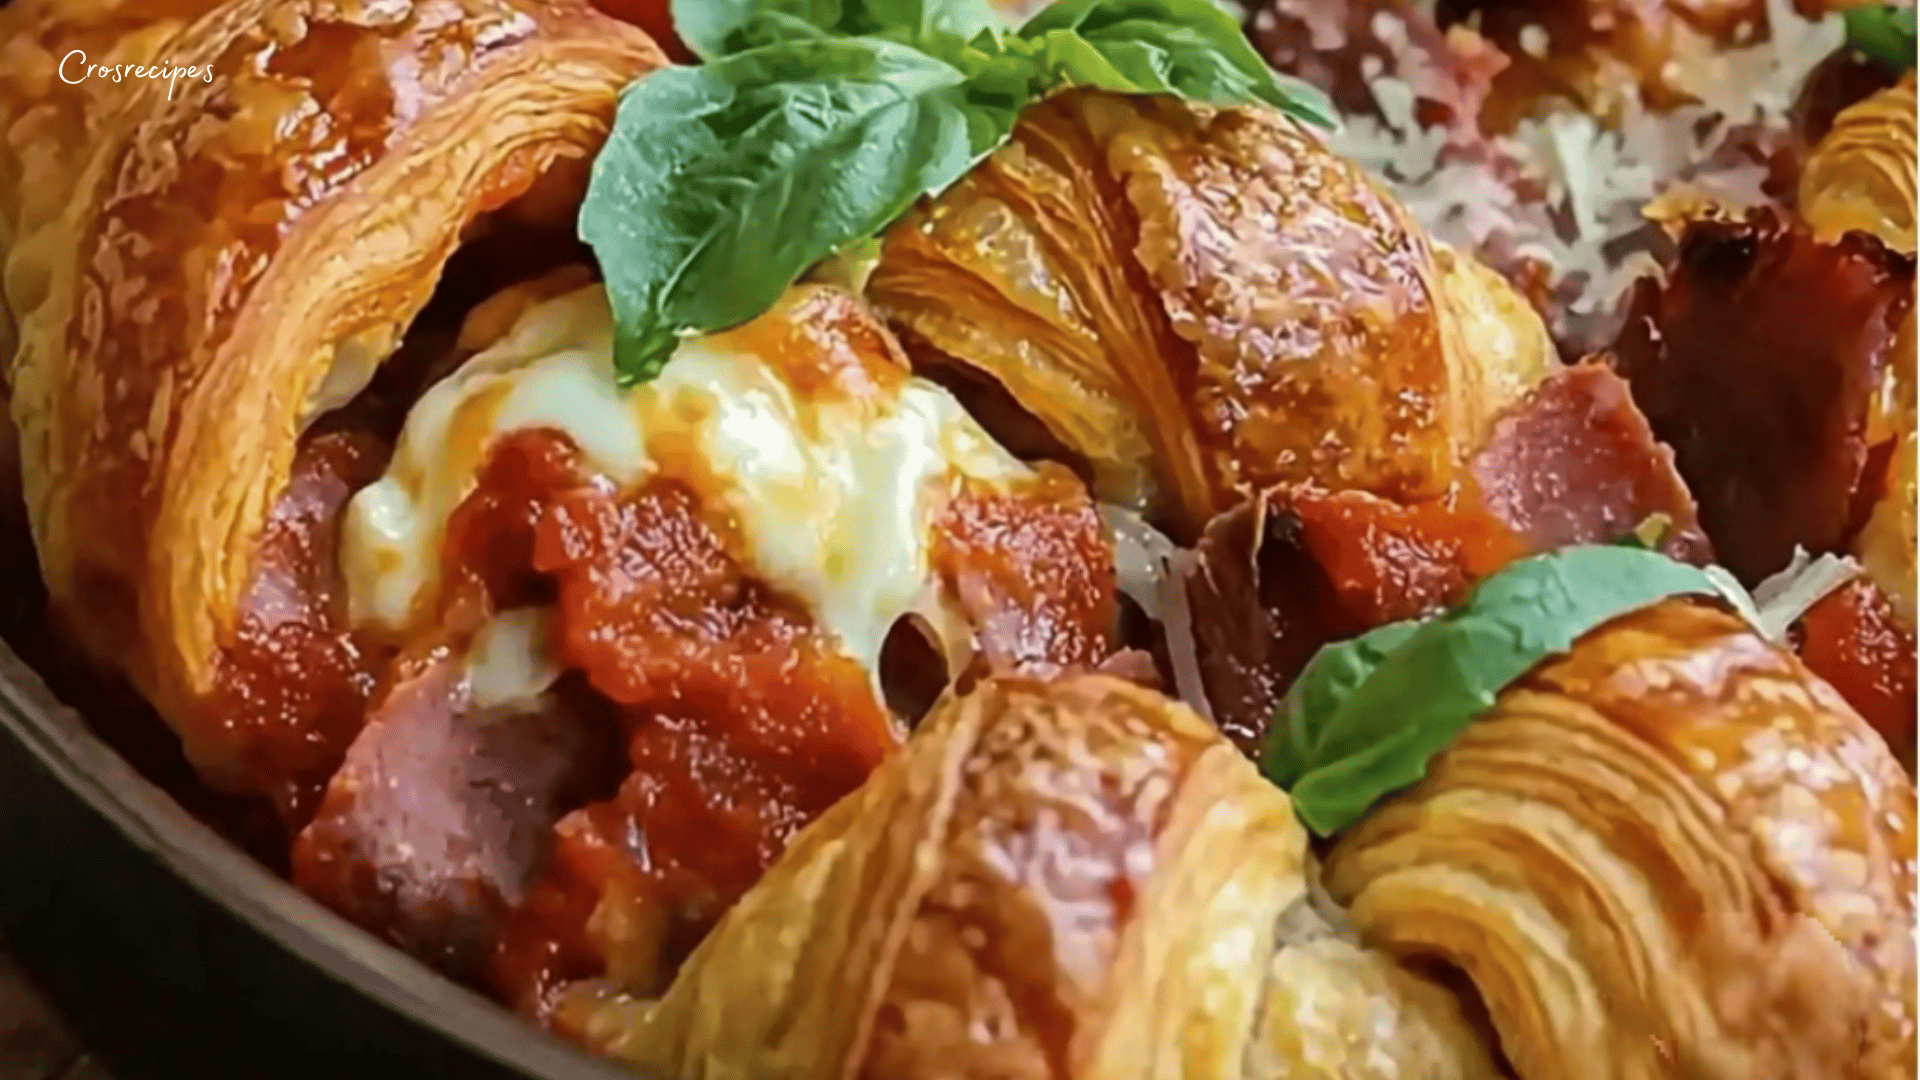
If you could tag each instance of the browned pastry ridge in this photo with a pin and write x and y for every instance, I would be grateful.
(1076, 878)
(1194, 304)
(1671, 853)
(201, 291)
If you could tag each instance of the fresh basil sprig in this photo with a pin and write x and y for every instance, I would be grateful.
(1365, 717)
(816, 123)
(1884, 32)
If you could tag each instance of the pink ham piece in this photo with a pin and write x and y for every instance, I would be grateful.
(1277, 578)
(442, 813)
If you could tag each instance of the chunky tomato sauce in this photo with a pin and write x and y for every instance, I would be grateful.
(742, 722)
(1032, 573)
(739, 718)
(291, 685)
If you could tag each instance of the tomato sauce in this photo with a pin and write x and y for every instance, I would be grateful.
(743, 721)
(740, 719)
(292, 682)
(1032, 573)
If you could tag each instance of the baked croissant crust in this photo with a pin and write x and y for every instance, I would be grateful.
(1198, 303)
(1861, 174)
(1076, 878)
(1670, 853)
(227, 263)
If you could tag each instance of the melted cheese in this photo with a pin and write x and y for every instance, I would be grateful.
(832, 496)
(509, 662)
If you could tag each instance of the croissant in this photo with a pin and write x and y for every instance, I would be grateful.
(1069, 879)
(1197, 303)
(1861, 174)
(1669, 853)
(201, 291)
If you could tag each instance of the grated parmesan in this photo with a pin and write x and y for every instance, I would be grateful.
(1567, 188)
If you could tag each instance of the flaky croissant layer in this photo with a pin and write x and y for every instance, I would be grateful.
(203, 269)
(1673, 854)
(1199, 303)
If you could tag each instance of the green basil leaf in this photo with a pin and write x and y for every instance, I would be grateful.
(1366, 715)
(721, 183)
(1884, 32)
(716, 28)
(1186, 47)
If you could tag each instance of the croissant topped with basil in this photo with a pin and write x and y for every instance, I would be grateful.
(324, 453)
(1196, 303)
(484, 446)
(1672, 853)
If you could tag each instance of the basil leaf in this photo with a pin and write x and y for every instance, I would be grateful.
(1186, 47)
(722, 182)
(1366, 715)
(717, 28)
(1884, 32)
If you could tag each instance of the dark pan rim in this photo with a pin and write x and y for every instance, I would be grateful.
(150, 819)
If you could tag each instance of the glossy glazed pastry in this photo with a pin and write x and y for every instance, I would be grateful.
(201, 292)
(1197, 303)
(1670, 853)
(1861, 174)
(1069, 879)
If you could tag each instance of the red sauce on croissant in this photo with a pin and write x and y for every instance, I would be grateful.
(293, 681)
(742, 722)
(589, 842)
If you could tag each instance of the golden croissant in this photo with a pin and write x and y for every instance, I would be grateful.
(1861, 174)
(1069, 879)
(180, 329)
(1194, 304)
(1671, 853)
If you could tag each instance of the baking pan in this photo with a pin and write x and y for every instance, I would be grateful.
(172, 953)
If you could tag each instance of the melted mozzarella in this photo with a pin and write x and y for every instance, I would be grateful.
(509, 662)
(832, 496)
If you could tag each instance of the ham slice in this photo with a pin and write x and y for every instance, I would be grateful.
(1759, 361)
(1578, 462)
(1282, 575)
(443, 813)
